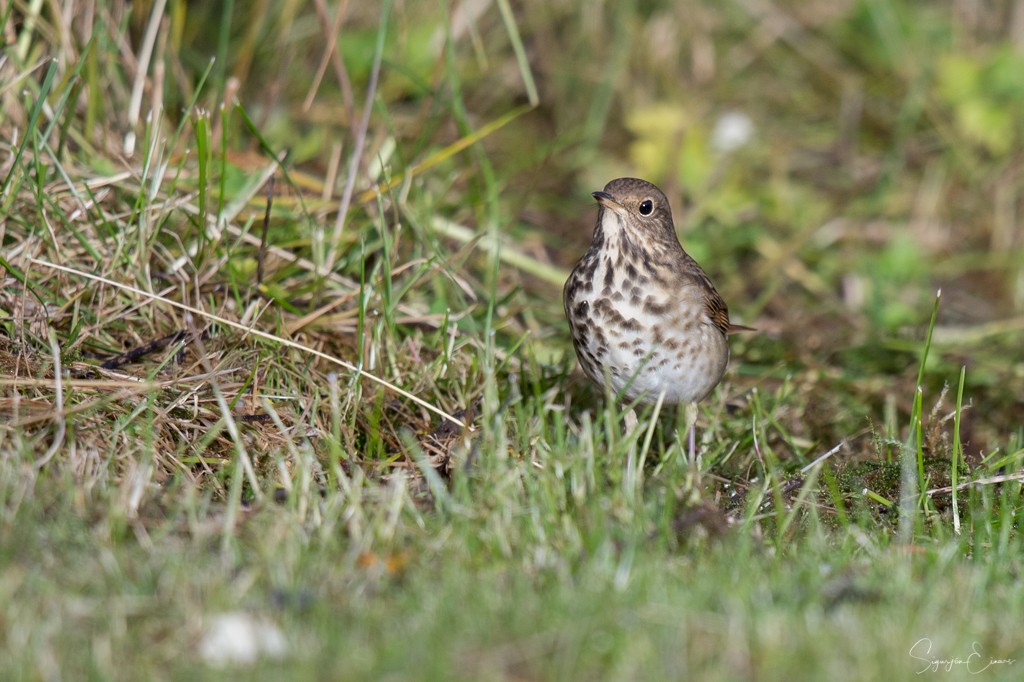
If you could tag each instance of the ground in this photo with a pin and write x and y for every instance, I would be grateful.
(283, 357)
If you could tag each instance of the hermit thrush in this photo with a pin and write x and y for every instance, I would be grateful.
(643, 314)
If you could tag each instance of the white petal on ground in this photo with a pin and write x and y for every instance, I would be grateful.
(239, 637)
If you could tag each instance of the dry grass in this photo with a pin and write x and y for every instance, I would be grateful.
(239, 299)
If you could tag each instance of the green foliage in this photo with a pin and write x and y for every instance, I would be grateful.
(986, 96)
(896, 280)
(273, 442)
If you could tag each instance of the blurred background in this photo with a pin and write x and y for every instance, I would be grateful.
(833, 164)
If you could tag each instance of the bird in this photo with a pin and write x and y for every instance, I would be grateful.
(643, 315)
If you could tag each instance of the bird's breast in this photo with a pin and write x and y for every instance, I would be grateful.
(645, 336)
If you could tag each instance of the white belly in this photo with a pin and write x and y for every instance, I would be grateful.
(675, 350)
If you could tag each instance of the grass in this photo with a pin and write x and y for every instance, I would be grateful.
(247, 304)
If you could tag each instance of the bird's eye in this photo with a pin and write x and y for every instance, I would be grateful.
(646, 207)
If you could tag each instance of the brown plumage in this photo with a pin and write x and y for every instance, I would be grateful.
(643, 314)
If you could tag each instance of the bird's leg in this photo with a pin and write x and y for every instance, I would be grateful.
(691, 423)
(631, 421)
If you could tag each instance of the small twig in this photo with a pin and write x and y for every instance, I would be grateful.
(134, 354)
(992, 480)
(822, 458)
(260, 418)
(791, 485)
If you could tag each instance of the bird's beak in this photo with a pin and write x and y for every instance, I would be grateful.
(607, 200)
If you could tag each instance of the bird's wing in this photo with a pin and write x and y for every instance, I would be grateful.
(716, 309)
